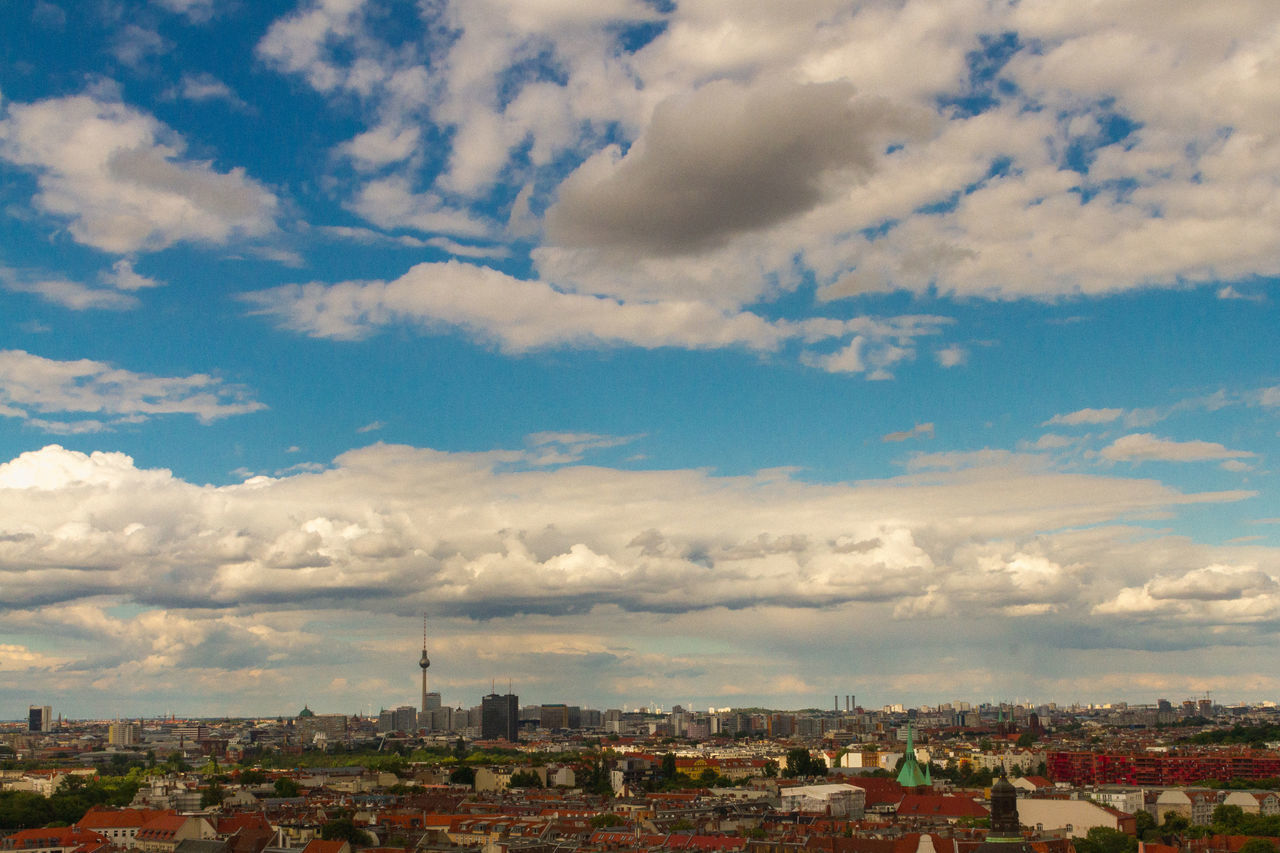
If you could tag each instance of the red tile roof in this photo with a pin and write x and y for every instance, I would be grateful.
(60, 836)
(941, 805)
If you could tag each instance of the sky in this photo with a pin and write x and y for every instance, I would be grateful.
(713, 352)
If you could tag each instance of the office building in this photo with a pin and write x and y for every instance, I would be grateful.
(40, 718)
(500, 717)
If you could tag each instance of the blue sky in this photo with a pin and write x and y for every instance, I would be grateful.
(660, 352)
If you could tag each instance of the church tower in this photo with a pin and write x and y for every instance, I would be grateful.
(911, 775)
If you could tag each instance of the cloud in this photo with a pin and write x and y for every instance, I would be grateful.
(117, 176)
(31, 385)
(568, 538)
(82, 297)
(917, 431)
(197, 11)
(716, 134)
(1052, 441)
(1085, 416)
(381, 146)
(123, 277)
(520, 315)
(563, 448)
(144, 575)
(1144, 447)
(73, 295)
(952, 356)
(392, 203)
(444, 244)
(1230, 292)
(725, 160)
(1216, 594)
(133, 44)
(205, 87)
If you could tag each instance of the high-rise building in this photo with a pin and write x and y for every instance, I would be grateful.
(40, 718)
(500, 717)
(430, 711)
(555, 716)
(123, 734)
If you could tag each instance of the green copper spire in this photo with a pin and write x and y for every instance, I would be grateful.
(911, 776)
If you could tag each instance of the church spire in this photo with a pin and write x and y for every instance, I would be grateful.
(911, 776)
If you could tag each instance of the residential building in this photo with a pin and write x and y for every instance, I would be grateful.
(124, 734)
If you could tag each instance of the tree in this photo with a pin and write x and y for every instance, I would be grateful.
(1228, 818)
(598, 781)
(668, 766)
(1144, 825)
(770, 769)
(1174, 824)
(344, 829)
(606, 819)
(1026, 739)
(464, 775)
(1102, 839)
(286, 787)
(211, 796)
(800, 763)
(525, 779)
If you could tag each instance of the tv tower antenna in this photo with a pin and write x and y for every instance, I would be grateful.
(424, 662)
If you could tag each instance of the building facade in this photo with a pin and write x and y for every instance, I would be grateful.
(500, 717)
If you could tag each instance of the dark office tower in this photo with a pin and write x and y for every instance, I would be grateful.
(500, 717)
(40, 718)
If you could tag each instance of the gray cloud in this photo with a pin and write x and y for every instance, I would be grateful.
(726, 160)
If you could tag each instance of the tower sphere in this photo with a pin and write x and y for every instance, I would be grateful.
(424, 661)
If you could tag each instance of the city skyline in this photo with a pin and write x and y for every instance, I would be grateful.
(649, 349)
(1197, 706)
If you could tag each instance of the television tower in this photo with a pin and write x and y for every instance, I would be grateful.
(424, 662)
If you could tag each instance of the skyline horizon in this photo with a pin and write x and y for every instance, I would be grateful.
(706, 707)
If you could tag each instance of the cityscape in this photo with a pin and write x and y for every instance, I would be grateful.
(500, 777)
(722, 426)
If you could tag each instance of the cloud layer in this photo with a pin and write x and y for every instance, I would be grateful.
(207, 576)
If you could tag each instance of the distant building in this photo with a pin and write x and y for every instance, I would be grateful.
(555, 716)
(332, 726)
(1073, 817)
(124, 734)
(401, 719)
(500, 717)
(835, 800)
(40, 718)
